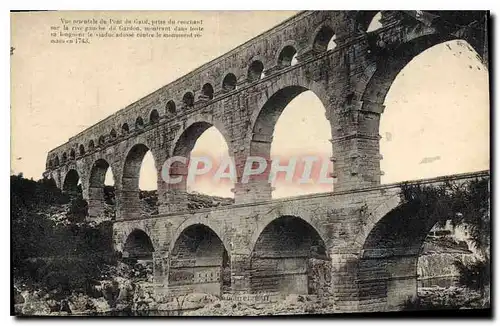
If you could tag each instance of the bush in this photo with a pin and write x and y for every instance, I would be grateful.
(474, 275)
(49, 255)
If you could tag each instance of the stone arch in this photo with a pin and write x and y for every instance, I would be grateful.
(255, 71)
(50, 181)
(184, 143)
(70, 183)
(112, 134)
(101, 140)
(322, 38)
(138, 248)
(130, 206)
(290, 256)
(125, 129)
(381, 74)
(207, 91)
(64, 158)
(170, 107)
(154, 117)
(286, 56)
(389, 65)
(188, 100)
(376, 22)
(72, 154)
(139, 123)
(56, 161)
(389, 256)
(264, 120)
(365, 18)
(81, 149)
(91, 145)
(186, 139)
(199, 261)
(229, 82)
(376, 215)
(96, 196)
(306, 215)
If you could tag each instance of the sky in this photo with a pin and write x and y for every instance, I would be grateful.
(436, 120)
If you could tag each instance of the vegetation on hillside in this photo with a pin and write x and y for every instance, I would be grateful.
(467, 204)
(53, 248)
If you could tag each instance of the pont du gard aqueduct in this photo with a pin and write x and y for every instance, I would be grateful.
(369, 264)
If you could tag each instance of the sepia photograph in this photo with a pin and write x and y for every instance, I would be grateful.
(250, 163)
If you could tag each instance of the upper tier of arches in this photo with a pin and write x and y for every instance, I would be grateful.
(278, 49)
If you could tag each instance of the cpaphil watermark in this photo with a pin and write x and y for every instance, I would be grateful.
(300, 170)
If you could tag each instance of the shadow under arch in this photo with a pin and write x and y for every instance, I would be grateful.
(199, 262)
(290, 256)
(387, 273)
(130, 206)
(365, 18)
(96, 187)
(139, 249)
(70, 183)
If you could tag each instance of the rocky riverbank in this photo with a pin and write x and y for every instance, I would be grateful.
(140, 300)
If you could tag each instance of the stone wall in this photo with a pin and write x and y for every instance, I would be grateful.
(351, 80)
(270, 246)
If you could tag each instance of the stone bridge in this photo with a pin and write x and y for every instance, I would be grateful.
(268, 243)
(367, 248)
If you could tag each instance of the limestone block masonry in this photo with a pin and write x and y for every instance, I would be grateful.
(268, 245)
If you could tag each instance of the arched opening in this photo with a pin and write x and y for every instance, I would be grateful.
(133, 172)
(389, 259)
(72, 154)
(91, 145)
(101, 141)
(82, 149)
(170, 107)
(49, 182)
(101, 191)
(287, 57)
(64, 157)
(188, 100)
(369, 20)
(71, 184)
(443, 89)
(125, 129)
(324, 40)
(207, 91)
(56, 161)
(199, 263)
(411, 246)
(444, 245)
(154, 117)
(202, 140)
(290, 257)
(332, 44)
(112, 134)
(148, 175)
(375, 23)
(138, 252)
(139, 123)
(255, 71)
(229, 83)
(308, 140)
